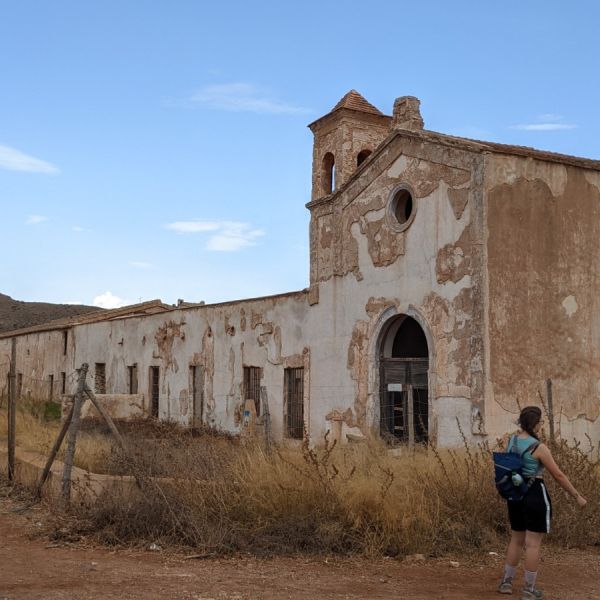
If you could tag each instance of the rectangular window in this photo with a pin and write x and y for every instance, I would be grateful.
(100, 378)
(294, 402)
(197, 389)
(132, 379)
(51, 386)
(63, 383)
(154, 390)
(252, 377)
(65, 335)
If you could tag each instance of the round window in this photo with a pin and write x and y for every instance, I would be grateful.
(401, 208)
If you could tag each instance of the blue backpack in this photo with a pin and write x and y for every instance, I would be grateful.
(508, 472)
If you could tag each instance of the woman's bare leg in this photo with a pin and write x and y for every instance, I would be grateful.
(533, 544)
(515, 548)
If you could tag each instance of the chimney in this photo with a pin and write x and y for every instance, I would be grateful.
(407, 114)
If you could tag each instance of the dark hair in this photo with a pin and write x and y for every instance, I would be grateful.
(529, 418)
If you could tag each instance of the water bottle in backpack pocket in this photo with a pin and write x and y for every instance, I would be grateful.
(508, 473)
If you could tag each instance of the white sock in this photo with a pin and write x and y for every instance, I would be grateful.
(530, 577)
(509, 572)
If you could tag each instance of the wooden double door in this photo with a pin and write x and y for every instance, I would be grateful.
(404, 400)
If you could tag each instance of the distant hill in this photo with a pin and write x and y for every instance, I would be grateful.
(15, 314)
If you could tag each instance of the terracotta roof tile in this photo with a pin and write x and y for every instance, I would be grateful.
(354, 101)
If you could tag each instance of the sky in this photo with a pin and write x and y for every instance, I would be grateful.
(160, 149)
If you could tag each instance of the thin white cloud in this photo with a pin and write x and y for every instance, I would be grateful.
(138, 264)
(194, 226)
(35, 219)
(109, 300)
(79, 229)
(15, 160)
(234, 236)
(242, 97)
(546, 122)
(550, 117)
(544, 126)
(226, 236)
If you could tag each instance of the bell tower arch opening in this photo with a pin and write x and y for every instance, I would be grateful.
(328, 174)
(404, 382)
(348, 132)
(362, 156)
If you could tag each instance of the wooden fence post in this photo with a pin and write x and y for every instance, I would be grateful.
(54, 452)
(12, 407)
(264, 402)
(72, 436)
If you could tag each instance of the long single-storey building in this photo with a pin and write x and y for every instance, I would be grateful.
(449, 280)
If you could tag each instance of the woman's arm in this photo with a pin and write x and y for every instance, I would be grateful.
(543, 454)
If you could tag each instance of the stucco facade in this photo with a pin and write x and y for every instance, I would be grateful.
(449, 279)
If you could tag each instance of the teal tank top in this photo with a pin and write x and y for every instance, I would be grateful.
(532, 467)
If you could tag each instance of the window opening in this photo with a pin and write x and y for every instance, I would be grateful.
(402, 206)
(328, 173)
(362, 156)
(252, 377)
(132, 379)
(294, 402)
(100, 378)
(154, 390)
(197, 390)
(63, 383)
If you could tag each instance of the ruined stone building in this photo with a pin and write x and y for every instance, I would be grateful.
(449, 279)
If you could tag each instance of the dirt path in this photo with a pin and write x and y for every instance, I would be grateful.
(33, 567)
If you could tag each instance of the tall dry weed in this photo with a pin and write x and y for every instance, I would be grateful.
(35, 434)
(210, 492)
(356, 498)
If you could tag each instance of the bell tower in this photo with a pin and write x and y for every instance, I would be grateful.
(343, 140)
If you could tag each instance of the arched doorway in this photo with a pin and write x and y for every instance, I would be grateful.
(404, 382)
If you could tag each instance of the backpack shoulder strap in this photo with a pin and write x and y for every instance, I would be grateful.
(531, 448)
(511, 443)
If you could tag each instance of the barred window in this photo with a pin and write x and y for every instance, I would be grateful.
(294, 402)
(252, 377)
(100, 378)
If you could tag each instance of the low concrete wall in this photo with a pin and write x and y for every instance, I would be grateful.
(121, 407)
(86, 487)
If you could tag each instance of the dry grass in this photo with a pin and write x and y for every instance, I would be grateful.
(355, 499)
(37, 435)
(222, 496)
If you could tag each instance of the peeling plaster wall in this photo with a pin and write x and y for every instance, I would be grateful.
(364, 272)
(269, 333)
(499, 266)
(39, 355)
(543, 232)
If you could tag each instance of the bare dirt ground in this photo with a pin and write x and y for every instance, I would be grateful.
(33, 566)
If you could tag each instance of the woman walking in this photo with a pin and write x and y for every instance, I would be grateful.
(530, 517)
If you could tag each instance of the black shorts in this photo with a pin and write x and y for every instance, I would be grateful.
(534, 512)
